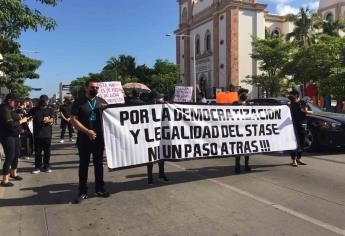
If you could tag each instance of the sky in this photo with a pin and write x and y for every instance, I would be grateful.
(89, 32)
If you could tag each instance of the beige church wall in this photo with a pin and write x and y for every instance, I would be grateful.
(326, 12)
(251, 24)
(199, 6)
(182, 58)
(204, 65)
(222, 52)
(184, 5)
(326, 3)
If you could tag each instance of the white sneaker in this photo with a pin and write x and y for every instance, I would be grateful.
(62, 141)
(71, 140)
(35, 171)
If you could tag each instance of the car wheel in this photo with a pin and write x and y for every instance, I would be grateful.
(310, 141)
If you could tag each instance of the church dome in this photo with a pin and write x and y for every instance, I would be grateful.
(327, 3)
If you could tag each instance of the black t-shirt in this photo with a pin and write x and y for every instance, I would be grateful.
(66, 110)
(41, 130)
(89, 114)
(298, 116)
(9, 122)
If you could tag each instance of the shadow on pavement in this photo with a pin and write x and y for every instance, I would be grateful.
(65, 193)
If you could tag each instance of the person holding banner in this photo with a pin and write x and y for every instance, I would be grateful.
(243, 97)
(155, 98)
(87, 118)
(299, 111)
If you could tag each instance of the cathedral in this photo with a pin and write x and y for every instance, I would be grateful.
(219, 33)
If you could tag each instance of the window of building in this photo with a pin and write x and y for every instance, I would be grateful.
(197, 44)
(329, 16)
(208, 41)
(276, 32)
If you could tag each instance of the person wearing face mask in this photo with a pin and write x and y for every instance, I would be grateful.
(299, 111)
(43, 119)
(10, 128)
(243, 97)
(86, 117)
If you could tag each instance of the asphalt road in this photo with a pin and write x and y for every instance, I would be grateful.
(203, 197)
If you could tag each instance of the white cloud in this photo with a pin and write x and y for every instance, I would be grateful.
(283, 9)
(314, 6)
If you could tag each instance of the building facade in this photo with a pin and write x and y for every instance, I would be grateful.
(332, 9)
(223, 31)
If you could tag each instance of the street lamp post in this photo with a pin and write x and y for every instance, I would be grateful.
(194, 58)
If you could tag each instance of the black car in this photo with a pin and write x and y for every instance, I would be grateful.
(323, 128)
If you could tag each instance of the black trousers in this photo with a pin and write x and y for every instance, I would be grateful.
(150, 169)
(42, 145)
(87, 147)
(63, 127)
(11, 147)
(26, 145)
(300, 136)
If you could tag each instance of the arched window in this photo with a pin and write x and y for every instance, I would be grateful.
(329, 16)
(184, 16)
(197, 45)
(208, 41)
(276, 32)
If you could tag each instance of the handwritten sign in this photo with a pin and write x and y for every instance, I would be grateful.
(111, 92)
(183, 94)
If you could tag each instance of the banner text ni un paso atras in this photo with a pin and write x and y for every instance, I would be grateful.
(141, 134)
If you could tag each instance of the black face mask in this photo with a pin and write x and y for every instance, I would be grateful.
(291, 98)
(243, 97)
(93, 93)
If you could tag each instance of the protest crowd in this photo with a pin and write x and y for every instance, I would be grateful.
(26, 131)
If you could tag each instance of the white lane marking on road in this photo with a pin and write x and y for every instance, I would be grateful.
(304, 217)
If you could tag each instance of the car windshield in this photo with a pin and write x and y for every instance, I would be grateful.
(314, 108)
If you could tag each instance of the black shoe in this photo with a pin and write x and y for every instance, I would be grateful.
(17, 178)
(150, 181)
(163, 179)
(247, 168)
(81, 198)
(103, 194)
(6, 185)
(47, 170)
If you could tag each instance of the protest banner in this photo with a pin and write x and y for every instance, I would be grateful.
(142, 134)
(111, 92)
(31, 126)
(183, 94)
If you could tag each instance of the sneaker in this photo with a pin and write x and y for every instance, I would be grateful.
(294, 164)
(103, 194)
(35, 171)
(81, 198)
(62, 141)
(6, 185)
(47, 170)
(299, 162)
(71, 140)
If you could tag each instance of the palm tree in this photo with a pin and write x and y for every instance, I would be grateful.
(112, 65)
(332, 27)
(306, 25)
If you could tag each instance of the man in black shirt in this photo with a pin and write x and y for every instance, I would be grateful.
(299, 111)
(43, 119)
(65, 114)
(86, 117)
(10, 123)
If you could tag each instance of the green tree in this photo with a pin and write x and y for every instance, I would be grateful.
(16, 16)
(272, 55)
(332, 28)
(306, 25)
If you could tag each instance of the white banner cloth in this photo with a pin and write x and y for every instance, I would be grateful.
(141, 134)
